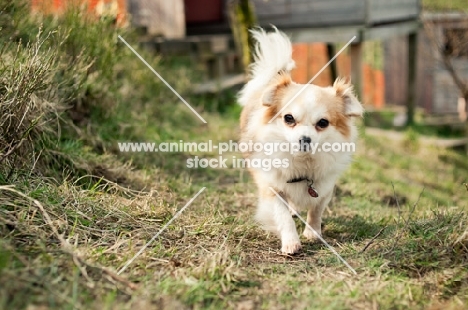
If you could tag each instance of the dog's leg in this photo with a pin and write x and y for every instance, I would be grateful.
(292, 209)
(275, 216)
(314, 218)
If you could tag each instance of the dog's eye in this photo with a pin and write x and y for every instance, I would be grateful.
(289, 119)
(323, 123)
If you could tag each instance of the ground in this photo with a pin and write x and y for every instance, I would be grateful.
(399, 218)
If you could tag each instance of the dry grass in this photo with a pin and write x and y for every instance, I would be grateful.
(27, 105)
(214, 256)
(57, 246)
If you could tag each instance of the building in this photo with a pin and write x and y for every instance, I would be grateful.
(436, 91)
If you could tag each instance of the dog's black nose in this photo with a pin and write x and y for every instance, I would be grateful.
(305, 140)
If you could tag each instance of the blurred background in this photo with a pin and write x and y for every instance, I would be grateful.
(398, 61)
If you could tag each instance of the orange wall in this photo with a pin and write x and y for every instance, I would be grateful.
(311, 57)
(59, 6)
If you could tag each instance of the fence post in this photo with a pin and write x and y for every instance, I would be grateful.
(412, 69)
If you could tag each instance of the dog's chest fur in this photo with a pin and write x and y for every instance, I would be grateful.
(322, 170)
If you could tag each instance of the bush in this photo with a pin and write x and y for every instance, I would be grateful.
(27, 104)
(82, 90)
(52, 75)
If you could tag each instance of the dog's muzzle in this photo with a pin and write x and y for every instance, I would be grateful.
(304, 143)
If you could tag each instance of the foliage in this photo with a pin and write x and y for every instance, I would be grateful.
(444, 5)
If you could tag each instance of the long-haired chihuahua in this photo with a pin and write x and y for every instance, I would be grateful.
(277, 110)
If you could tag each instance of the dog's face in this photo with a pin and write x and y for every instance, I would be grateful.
(313, 115)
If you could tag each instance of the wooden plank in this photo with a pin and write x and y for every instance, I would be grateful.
(159, 17)
(384, 11)
(305, 13)
(326, 13)
(215, 86)
(388, 31)
(329, 35)
(395, 51)
(425, 72)
(328, 7)
(267, 9)
(356, 68)
(445, 93)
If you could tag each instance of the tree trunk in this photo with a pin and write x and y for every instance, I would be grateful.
(242, 18)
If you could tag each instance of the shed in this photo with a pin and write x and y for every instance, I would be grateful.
(369, 18)
(328, 21)
(437, 93)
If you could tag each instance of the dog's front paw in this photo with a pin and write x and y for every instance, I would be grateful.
(310, 235)
(291, 247)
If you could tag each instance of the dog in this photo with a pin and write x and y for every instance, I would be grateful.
(278, 110)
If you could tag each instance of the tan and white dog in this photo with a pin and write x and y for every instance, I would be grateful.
(315, 116)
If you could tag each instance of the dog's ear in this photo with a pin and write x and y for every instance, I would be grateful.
(352, 106)
(273, 91)
(268, 96)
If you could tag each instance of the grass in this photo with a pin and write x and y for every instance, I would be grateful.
(73, 210)
(384, 119)
(215, 256)
(444, 5)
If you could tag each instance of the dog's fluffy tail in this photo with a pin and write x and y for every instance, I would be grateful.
(273, 54)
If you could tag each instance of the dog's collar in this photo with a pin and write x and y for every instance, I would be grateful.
(300, 179)
(310, 189)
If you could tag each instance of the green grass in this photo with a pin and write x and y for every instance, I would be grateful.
(384, 119)
(445, 5)
(81, 210)
(214, 256)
